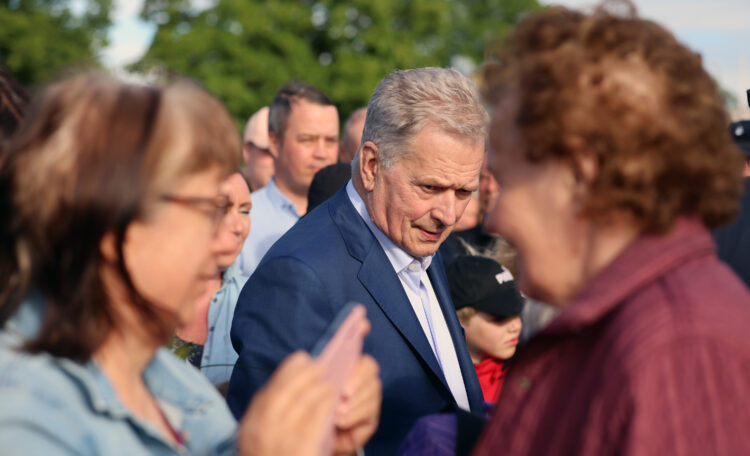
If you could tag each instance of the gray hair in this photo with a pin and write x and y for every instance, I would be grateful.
(406, 101)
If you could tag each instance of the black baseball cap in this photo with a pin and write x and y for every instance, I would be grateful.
(483, 284)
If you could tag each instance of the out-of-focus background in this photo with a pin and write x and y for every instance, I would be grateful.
(243, 50)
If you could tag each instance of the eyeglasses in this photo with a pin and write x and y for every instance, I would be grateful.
(216, 207)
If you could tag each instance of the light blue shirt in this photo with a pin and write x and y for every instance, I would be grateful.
(219, 356)
(271, 216)
(55, 406)
(405, 265)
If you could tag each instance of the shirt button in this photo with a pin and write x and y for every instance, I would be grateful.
(412, 267)
(524, 383)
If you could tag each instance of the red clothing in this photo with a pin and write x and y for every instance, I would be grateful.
(651, 358)
(490, 374)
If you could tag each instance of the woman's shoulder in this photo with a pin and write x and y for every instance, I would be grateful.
(43, 407)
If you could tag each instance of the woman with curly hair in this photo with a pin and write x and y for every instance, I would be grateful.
(609, 143)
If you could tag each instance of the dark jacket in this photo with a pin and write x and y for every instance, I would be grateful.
(326, 260)
(733, 240)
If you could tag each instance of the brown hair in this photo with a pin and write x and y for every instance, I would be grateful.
(92, 157)
(281, 106)
(465, 314)
(635, 98)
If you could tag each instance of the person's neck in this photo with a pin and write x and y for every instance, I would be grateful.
(297, 195)
(124, 356)
(601, 244)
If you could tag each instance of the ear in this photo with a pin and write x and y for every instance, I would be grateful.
(369, 165)
(246, 153)
(584, 162)
(107, 246)
(273, 145)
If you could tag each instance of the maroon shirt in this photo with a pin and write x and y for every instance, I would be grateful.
(652, 357)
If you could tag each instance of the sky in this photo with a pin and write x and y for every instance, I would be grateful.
(717, 29)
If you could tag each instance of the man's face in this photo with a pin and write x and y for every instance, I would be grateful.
(310, 143)
(259, 168)
(417, 201)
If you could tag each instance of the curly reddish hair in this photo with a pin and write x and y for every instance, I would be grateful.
(636, 98)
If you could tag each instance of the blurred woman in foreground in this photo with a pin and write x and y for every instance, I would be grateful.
(115, 197)
(609, 143)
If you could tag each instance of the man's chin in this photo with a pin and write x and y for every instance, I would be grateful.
(423, 249)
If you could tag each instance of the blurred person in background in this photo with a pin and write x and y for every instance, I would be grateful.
(258, 168)
(303, 133)
(733, 240)
(326, 183)
(208, 334)
(471, 216)
(13, 101)
(115, 207)
(609, 142)
(352, 131)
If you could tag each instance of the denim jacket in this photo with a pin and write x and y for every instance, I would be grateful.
(218, 356)
(55, 406)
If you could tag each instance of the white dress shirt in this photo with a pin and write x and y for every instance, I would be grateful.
(401, 262)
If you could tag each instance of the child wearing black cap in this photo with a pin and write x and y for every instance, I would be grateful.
(489, 308)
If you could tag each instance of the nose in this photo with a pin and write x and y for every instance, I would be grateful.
(445, 210)
(320, 151)
(514, 325)
(235, 224)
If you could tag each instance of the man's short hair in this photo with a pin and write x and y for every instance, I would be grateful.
(281, 105)
(406, 101)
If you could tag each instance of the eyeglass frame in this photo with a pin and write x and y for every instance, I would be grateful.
(221, 204)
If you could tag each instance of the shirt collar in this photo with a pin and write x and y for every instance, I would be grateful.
(398, 257)
(278, 199)
(233, 272)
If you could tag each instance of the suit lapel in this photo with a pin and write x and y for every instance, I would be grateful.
(437, 276)
(377, 276)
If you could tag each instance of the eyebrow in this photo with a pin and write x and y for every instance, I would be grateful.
(437, 182)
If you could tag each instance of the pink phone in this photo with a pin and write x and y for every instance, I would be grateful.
(339, 350)
(341, 346)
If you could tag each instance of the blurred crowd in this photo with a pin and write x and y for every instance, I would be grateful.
(550, 257)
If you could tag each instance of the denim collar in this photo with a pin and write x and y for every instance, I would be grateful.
(162, 377)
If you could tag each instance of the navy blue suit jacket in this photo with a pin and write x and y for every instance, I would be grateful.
(327, 259)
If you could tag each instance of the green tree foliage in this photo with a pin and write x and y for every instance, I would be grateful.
(243, 50)
(39, 38)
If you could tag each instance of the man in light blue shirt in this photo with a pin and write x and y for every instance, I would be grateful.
(303, 133)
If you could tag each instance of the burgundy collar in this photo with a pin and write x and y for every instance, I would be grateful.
(643, 261)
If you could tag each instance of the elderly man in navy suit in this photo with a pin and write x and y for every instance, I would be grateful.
(375, 242)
